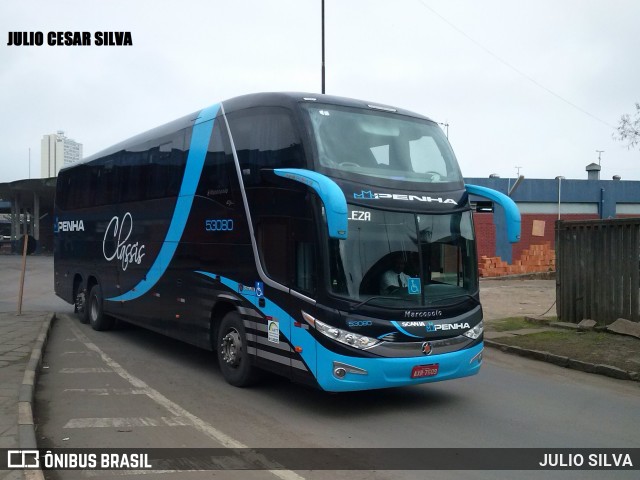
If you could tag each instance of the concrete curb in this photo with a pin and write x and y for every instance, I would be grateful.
(566, 362)
(26, 427)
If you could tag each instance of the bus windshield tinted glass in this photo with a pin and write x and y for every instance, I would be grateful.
(380, 144)
(397, 260)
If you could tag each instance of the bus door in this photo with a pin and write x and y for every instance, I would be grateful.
(305, 278)
(272, 233)
(288, 251)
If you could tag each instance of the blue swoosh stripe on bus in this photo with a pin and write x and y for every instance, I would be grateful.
(397, 325)
(200, 136)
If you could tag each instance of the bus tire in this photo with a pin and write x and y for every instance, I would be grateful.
(97, 318)
(233, 356)
(80, 306)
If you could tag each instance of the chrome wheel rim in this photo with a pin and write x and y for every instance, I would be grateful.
(231, 348)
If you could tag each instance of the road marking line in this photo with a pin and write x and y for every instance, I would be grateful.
(86, 370)
(106, 391)
(116, 422)
(178, 411)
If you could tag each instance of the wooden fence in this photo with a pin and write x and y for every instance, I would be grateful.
(598, 270)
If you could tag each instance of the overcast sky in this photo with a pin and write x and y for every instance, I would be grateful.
(536, 84)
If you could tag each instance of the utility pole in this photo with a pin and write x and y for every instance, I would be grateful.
(600, 152)
(323, 89)
(518, 171)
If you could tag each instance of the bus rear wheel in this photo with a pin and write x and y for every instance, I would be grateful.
(233, 356)
(97, 318)
(80, 306)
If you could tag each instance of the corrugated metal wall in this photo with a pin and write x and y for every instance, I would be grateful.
(598, 270)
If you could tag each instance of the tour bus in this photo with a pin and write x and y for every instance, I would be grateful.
(326, 239)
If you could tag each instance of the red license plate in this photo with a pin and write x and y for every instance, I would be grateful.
(421, 371)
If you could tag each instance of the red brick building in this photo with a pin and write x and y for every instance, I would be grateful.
(541, 202)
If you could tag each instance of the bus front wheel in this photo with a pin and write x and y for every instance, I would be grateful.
(97, 317)
(233, 356)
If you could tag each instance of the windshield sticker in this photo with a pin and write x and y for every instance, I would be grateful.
(414, 286)
(360, 216)
(369, 195)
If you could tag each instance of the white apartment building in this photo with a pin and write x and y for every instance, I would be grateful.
(57, 151)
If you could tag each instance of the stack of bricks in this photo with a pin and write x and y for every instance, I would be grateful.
(537, 258)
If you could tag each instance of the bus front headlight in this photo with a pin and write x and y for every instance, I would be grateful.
(475, 332)
(352, 339)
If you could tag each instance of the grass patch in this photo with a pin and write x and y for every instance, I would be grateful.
(506, 324)
(592, 347)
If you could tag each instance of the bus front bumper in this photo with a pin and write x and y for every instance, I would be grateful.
(339, 373)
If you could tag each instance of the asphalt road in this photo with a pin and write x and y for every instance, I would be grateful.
(130, 387)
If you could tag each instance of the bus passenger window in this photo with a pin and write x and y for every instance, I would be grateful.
(103, 178)
(218, 181)
(166, 166)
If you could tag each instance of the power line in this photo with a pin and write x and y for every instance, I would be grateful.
(515, 69)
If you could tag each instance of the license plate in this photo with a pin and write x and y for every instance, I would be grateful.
(422, 371)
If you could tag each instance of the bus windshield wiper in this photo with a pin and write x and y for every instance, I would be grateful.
(465, 295)
(431, 302)
(375, 297)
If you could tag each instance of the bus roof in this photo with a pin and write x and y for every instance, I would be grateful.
(268, 99)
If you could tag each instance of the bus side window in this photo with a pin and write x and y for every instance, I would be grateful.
(272, 244)
(77, 195)
(132, 179)
(305, 255)
(265, 138)
(165, 167)
(287, 248)
(218, 181)
(286, 237)
(103, 180)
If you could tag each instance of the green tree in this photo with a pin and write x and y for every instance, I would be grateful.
(628, 129)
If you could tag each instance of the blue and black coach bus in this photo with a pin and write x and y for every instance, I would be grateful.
(326, 239)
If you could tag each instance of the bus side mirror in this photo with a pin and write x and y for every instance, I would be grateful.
(335, 204)
(510, 208)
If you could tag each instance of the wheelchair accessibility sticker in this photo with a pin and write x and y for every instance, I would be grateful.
(414, 286)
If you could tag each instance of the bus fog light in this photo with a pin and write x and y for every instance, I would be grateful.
(339, 372)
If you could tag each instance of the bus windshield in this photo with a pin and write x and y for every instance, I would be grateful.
(380, 144)
(399, 259)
